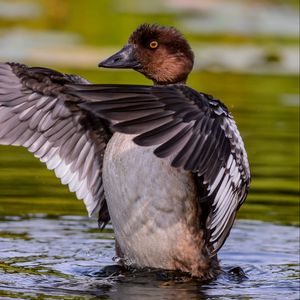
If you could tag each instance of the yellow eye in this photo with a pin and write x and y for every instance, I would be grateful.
(153, 44)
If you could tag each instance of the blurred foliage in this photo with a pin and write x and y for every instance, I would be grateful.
(107, 22)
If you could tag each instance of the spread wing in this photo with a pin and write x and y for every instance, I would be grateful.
(191, 129)
(36, 113)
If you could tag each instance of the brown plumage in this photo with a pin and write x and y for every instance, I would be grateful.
(173, 56)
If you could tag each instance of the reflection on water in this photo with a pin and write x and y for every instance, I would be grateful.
(64, 257)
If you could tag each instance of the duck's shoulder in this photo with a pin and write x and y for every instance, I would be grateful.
(205, 102)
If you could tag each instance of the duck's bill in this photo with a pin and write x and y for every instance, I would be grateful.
(123, 59)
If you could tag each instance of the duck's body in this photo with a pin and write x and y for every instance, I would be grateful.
(153, 208)
(170, 171)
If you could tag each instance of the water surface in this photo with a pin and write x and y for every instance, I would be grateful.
(65, 256)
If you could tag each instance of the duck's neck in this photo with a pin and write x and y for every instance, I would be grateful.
(156, 83)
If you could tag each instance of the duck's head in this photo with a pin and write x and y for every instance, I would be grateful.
(160, 53)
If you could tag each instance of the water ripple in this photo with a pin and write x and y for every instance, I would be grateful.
(68, 257)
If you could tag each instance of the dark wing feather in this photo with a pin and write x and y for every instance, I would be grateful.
(192, 129)
(37, 113)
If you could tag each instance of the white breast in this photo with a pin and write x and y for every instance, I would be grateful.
(152, 205)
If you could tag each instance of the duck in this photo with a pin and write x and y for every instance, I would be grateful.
(164, 163)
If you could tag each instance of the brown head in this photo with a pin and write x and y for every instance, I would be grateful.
(161, 53)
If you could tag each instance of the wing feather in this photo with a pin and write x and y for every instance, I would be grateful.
(59, 118)
(34, 114)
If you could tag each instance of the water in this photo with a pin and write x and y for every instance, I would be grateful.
(65, 257)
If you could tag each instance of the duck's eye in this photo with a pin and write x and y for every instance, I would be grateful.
(153, 44)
